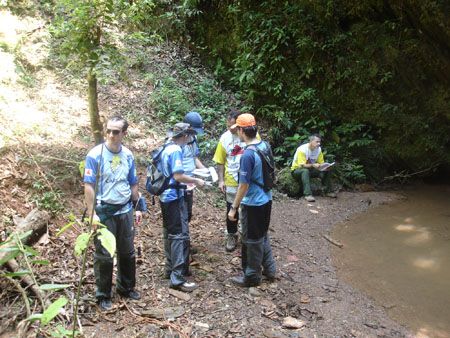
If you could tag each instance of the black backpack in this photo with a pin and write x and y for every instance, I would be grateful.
(156, 181)
(268, 166)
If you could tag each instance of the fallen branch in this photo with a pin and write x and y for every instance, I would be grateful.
(36, 221)
(332, 241)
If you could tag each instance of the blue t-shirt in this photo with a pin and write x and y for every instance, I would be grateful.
(190, 152)
(251, 171)
(172, 163)
(117, 175)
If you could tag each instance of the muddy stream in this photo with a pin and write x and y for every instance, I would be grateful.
(399, 254)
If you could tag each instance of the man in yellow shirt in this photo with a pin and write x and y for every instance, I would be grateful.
(306, 164)
(227, 156)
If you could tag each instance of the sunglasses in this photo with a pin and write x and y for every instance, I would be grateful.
(113, 131)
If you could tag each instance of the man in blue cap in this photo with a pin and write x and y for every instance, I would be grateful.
(191, 152)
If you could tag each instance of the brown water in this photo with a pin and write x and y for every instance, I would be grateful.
(399, 254)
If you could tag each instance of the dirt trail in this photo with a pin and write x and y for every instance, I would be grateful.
(307, 287)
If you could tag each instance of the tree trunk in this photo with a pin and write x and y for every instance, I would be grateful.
(96, 125)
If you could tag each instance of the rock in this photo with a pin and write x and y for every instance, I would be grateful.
(254, 292)
(273, 333)
(169, 312)
(293, 323)
(201, 325)
(180, 295)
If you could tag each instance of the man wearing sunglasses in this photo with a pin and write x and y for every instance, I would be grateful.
(113, 199)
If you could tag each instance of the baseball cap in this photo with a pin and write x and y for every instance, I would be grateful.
(195, 120)
(181, 128)
(245, 120)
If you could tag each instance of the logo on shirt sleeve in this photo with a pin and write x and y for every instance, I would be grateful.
(88, 172)
(177, 163)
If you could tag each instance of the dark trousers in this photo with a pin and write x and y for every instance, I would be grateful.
(256, 251)
(176, 239)
(303, 177)
(232, 226)
(121, 226)
(189, 199)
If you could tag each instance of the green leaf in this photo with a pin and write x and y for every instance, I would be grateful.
(34, 317)
(49, 287)
(53, 310)
(9, 249)
(30, 251)
(64, 228)
(61, 332)
(19, 273)
(81, 243)
(81, 167)
(108, 240)
(40, 262)
(13, 254)
(25, 235)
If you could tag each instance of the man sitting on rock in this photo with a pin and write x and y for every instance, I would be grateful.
(307, 162)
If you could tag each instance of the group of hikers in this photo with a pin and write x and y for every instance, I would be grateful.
(112, 195)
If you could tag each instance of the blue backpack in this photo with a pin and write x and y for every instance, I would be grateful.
(268, 166)
(156, 181)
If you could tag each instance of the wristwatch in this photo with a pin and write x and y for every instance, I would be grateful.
(233, 208)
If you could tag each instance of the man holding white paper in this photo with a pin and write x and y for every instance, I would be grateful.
(309, 162)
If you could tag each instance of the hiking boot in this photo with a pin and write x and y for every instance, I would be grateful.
(310, 198)
(231, 242)
(105, 304)
(241, 281)
(331, 194)
(269, 277)
(133, 294)
(185, 287)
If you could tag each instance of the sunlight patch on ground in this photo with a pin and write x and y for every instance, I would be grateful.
(422, 236)
(427, 332)
(42, 111)
(426, 263)
(405, 227)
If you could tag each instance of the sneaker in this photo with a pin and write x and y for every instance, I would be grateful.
(241, 281)
(133, 294)
(310, 198)
(331, 195)
(231, 242)
(105, 304)
(185, 287)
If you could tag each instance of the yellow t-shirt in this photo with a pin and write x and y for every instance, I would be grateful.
(228, 153)
(305, 155)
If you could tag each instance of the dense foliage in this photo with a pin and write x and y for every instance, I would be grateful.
(372, 77)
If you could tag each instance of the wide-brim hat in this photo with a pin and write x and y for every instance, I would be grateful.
(180, 129)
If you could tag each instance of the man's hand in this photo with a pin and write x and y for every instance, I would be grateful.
(199, 182)
(138, 217)
(232, 214)
(316, 165)
(222, 186)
